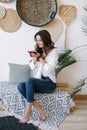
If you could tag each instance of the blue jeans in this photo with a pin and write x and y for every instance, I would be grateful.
(34, 85)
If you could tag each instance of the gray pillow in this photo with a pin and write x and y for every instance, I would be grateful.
(18, 72)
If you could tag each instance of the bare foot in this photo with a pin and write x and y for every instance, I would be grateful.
(42, 115)
(25, 119)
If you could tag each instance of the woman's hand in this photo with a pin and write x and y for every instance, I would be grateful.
(34, 54)
(38, 55)
(42, 60)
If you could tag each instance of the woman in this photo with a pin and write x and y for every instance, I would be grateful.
(46, 82)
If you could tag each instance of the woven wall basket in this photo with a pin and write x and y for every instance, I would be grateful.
(37, 12)
(11, 22)
(6, 1)
(2, 12)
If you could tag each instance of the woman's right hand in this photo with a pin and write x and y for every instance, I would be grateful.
(34, 54)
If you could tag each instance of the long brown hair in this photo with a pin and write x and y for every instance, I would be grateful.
(46, 38)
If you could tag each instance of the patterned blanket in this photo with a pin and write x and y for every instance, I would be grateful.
(56, 104)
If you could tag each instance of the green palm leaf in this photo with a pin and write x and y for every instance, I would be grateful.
(78, 87)
(63, 55)
(64, 60)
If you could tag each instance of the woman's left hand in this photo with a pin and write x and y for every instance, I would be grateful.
(42, 60)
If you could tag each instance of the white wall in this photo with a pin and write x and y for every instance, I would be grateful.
(14, 46)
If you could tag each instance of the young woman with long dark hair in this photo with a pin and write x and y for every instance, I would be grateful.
(47, 56)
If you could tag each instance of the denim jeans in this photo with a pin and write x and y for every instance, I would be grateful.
(35, 85)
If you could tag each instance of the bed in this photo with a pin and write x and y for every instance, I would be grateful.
(56, 104)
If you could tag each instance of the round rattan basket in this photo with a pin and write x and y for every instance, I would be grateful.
(11, 22)
(6, 1)
(2, 12)
(36, 12)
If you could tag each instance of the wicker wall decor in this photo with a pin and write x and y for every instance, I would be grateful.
(6, 1)
(68, 13)
(37, 12)
(11, 22)
(2, 12)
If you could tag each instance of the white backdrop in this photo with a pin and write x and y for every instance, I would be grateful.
(14, 46)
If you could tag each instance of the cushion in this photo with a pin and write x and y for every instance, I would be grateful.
(18, 72)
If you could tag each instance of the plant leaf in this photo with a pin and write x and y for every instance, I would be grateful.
(65, 60)
(78, 88)
(63, 55)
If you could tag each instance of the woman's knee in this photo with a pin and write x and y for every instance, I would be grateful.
(30, 80)
(20, 87)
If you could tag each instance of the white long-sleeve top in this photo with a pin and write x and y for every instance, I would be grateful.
(48, 69)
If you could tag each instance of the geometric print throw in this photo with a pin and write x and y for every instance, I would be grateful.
(56, 104)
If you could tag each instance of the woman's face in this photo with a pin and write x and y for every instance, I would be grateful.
(39, 41)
